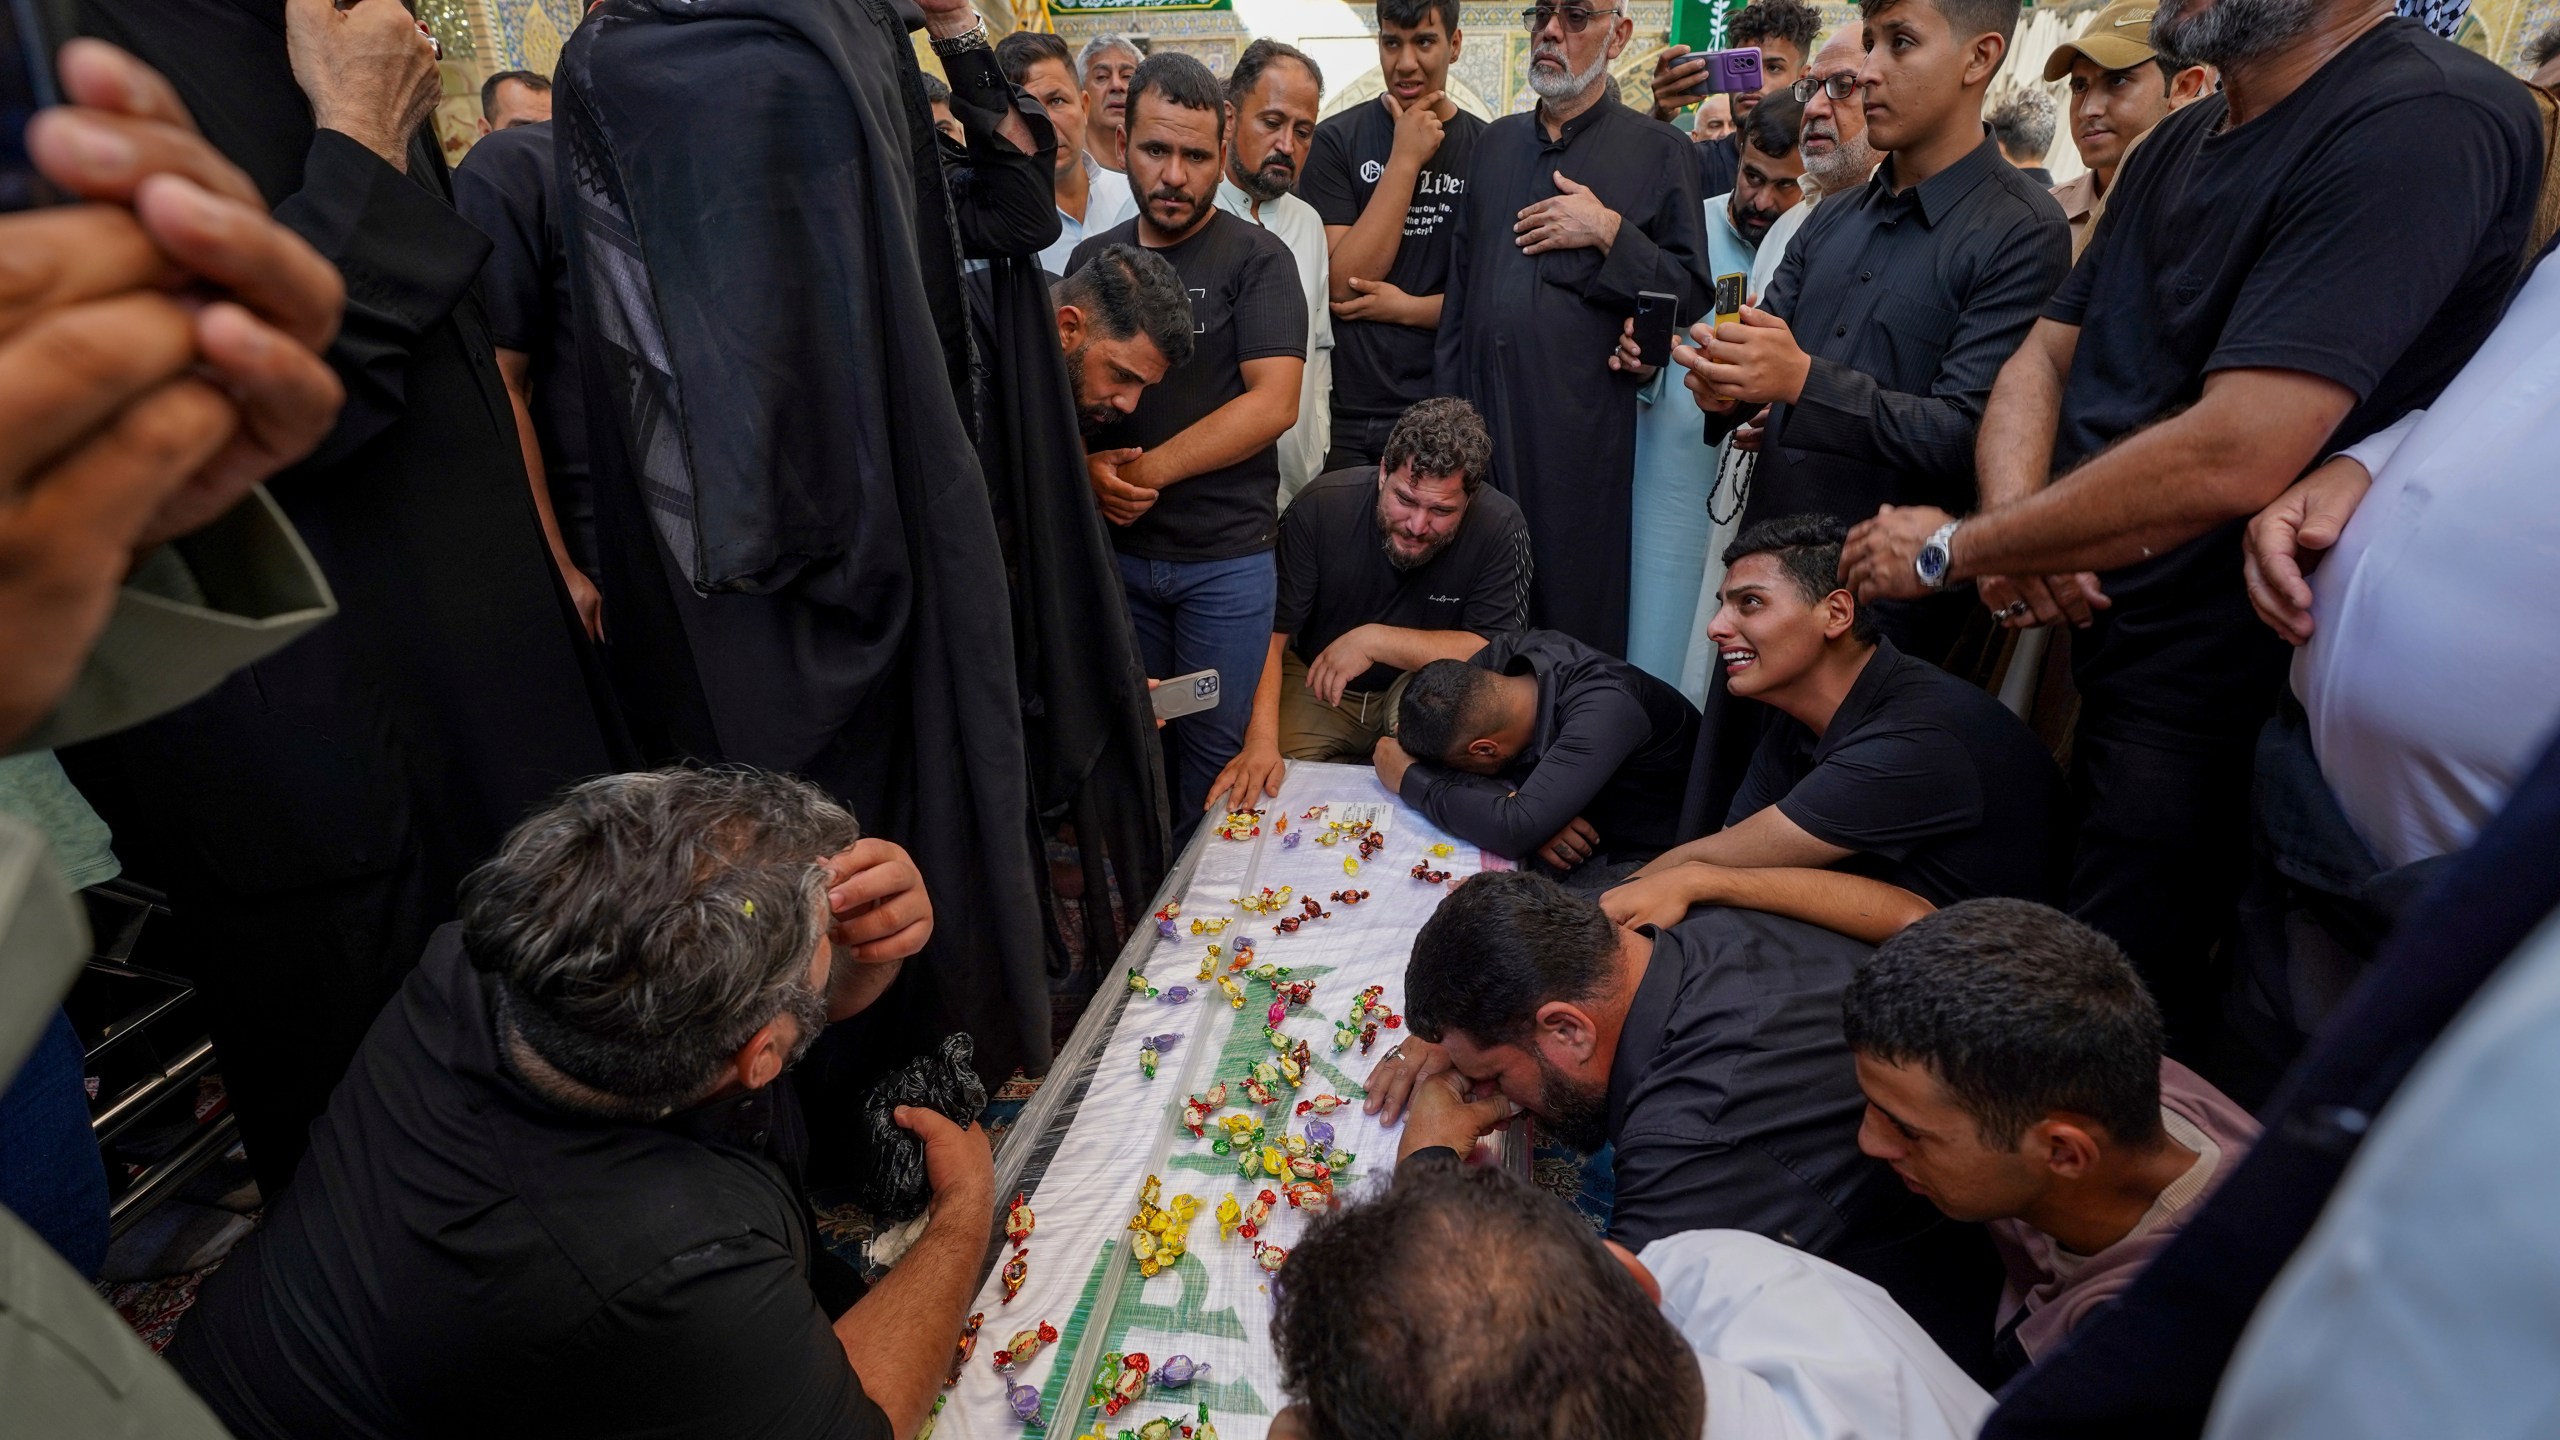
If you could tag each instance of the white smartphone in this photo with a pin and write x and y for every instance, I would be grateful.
(1186, 694)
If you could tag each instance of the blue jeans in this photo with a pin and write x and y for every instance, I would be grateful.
(1199, 615)
(50, 1173)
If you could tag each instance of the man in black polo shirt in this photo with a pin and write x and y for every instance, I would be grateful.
(1867, 362)
(1542, 745)
(505, 187)
(1190, 480)
(558, 1190)
(2258, 298)
(1877, 764)
(1708, 1055)
(1387, 177)
(1382, 571)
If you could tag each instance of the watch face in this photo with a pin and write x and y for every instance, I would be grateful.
(1932, 561)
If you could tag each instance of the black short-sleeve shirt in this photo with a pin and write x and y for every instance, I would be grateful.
(1938, 787)
(457, 1254)
(504, 187)
(1245, 305)
(1335, 574)
(2367, 229)
(1380, 369)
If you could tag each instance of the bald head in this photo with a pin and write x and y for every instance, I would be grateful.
(1836, 154)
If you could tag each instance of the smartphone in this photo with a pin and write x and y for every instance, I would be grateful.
(1653, 326)
(1186, 694)
(1729, 297)
(35, 29)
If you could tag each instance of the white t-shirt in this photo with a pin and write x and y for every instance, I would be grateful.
(2433, 673)
(1792, 1347)
(1302, 230)
(1107, 202)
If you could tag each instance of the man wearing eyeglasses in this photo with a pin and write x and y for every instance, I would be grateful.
(1573, 209)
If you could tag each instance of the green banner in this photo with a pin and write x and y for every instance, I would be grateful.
(1089, 7)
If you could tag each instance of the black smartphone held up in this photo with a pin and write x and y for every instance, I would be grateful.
(36, 28)
(1653, 327)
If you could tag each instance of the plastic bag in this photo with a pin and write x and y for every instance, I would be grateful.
(895, 1189)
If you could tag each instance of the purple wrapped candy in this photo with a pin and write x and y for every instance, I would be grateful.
(1026, 1404)
(1320, 1134)
(1162, 1043)
(1178, 1371)
(1165, 928)
(1290, 840)
(1175, 995)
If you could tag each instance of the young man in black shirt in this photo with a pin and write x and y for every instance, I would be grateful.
(2257, 298)
(1382, 571)
(1190, 479)
(1542, 745)
(1867, 362)
(1387, 177)
(559, 1190)
(505, 187)
(1708, 1054)
(1876, 764)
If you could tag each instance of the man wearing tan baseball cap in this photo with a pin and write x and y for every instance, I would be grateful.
(2120, 88)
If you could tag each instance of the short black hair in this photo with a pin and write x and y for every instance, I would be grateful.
(1180, 80)
(1440, 436)
(1129, 290)
(1018, 52)
(2539, 50)
(1774, 125)
(1808, 549)
(1447, 705)
(1431, 1309)
(2023, 121)
(2020, 1011)
(935, 92)
(538, 84)
(1409, 14)
(1503, 944)
(1967, 18)
(1256, 58)
(1788, 20)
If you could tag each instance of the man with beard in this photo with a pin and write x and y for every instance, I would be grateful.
(1123, 322)
(1090, 198)
(1572, 211)
(1381, 572)
(1833, 141)
(1272, 96)
(1105, 65)
(1783, 32)
(560, 1183)
(2134, 439)
(1708, 1055)
(1676, 533)
(1190, 477)
(1386, 176)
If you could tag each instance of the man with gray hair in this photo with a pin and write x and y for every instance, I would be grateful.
(2023, 124)
(1106, 64)
(559, 1184)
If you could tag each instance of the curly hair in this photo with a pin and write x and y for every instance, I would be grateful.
(1441, 436)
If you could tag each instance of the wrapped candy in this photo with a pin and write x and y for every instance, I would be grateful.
(1178, 1371)
(1151, 1050)
(1290, 840)
(1204, 1430)
(1315, 812)
(1293, 1071)
(1197, 1110)
(1239, 1130)
(1422, 871)
(1308, 1167)
(1129, 1385)
(1269, 1257)
(1138, 982)
(1443, 850)
(1279, 1011)
(1256, 1091)
(1163, 1427)
(1164, 928)
(1208, 964)
(1248, 1162)
(1256, 1214)
(1016, 1270)
(1293, 992)
(1025, 1400)
(1025, 1345)
(967, 1347)
(1235, 992)
(1229, 1215)
(1275, 1162)
(1310, 1195)
(1273, 1036)
(1295, 1145)
(1345, 1034)
(1018, 1220)
(1337, 1160)
(1211, 925)
(1368, 1036)
(1350, 865)
(1321, 1105)
(1320, 1134)
(1349, 897)
(1175, 995)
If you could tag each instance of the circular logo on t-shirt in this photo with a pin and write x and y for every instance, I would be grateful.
(1370, 170)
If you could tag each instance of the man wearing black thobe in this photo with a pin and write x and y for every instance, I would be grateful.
(1571, 210)
(796, 546)
(311, 818)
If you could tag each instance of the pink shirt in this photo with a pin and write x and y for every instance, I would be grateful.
(2059, 1288)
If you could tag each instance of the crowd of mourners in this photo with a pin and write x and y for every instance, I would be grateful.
(2004, 717)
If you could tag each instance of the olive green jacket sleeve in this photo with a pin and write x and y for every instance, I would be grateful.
(192, 612)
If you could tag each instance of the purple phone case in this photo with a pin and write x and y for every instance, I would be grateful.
(1733, 72)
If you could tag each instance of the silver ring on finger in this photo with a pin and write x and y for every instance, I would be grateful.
(1396, 1054)
(2013, 609)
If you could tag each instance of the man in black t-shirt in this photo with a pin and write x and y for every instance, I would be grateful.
(1190, 478)
(2259, 296)
(1382, 571)
(1876, 764)
(1387, 176)
(505, 187)
(1541, 745)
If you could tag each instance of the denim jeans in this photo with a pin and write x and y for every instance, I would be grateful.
(50, 1173)
(1199, 615)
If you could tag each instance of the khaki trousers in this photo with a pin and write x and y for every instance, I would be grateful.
(1349, 732)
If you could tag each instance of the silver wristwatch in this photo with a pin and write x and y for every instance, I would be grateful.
(973, 38)
(1936, 556)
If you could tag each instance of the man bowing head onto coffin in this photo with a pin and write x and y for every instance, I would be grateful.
(1572, 211)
